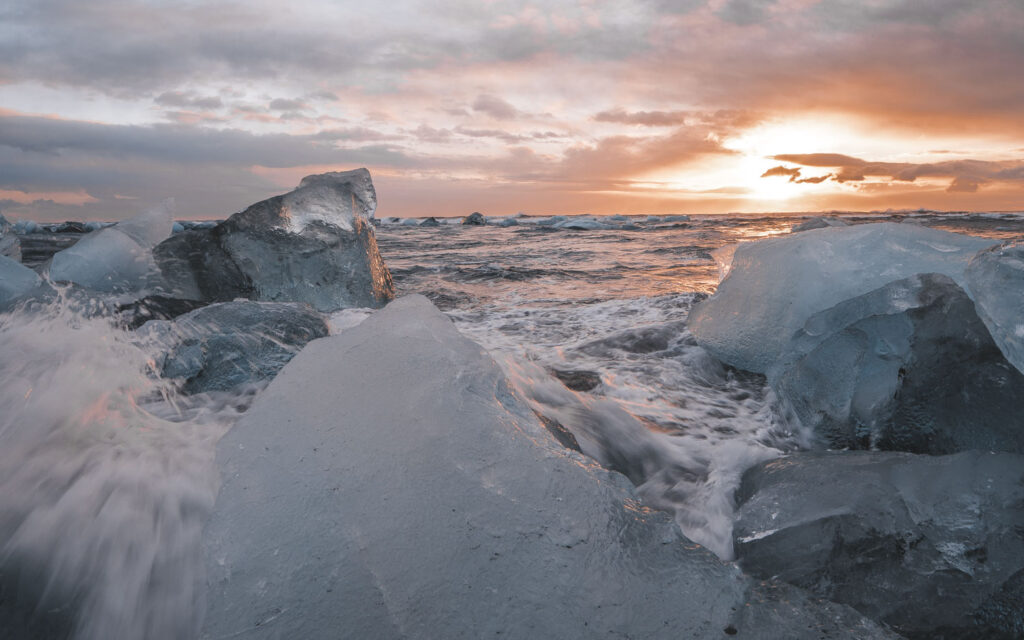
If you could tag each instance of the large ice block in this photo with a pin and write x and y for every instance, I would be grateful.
(16, 280)
(907, 367)
(774, 285)
(116, 258)
(314, 244)
(995, 278)
(926, 544)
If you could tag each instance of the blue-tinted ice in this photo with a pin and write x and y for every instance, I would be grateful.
(775, 285)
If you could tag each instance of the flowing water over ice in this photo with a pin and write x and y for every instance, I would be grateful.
(614, 302)
(106, 478)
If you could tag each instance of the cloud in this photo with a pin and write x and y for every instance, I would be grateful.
(285, 104)
(187, 100)
(814, 179)
(497, 134)
(794, 176)
(208, 170)
(618, 159)
(644, 118)
(181, 144)
(963, 185)
(966, 176)
(357, 134)
(745, 12)
(781, 171)
(495, 107)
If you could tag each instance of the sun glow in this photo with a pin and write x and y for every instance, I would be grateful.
(757, 146)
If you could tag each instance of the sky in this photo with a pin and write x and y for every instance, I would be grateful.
(107, 107)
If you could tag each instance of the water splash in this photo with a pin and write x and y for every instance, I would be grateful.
(679, 424)
(106, 478)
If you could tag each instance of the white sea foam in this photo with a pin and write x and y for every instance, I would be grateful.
(676, 422)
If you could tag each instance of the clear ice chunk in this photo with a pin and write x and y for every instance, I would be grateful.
(995, 279)
(774, 285)
(116, 258)
(315, 244)
(16, 280)
(926, 544)
(907, 367)
(225, 345)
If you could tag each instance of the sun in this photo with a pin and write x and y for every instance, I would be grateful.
(756, 147)
(737, 174)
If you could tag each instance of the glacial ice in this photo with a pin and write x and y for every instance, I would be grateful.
(995, 278)
(390, 484)
(907, 367)
(926, 544)
(224, 345)
(314, 244)
(9, 244)
(15, 280)
(116, 258)
(775, 284)
(102, 503)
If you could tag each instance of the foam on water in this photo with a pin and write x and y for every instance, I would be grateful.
(105, 481)
(679, 424)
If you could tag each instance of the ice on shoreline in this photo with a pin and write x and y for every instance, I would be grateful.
(446, 510)
(923, 543)
(314, 244)
(996, 281)
(774, 285)
(116, 258)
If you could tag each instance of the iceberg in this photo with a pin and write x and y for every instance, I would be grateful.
(117, 258)
(314, 244)
(929, 545)
(774, 285)
(475, 218)
(389, 483)
(227, 344)
(909, 366)
(995, 278)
